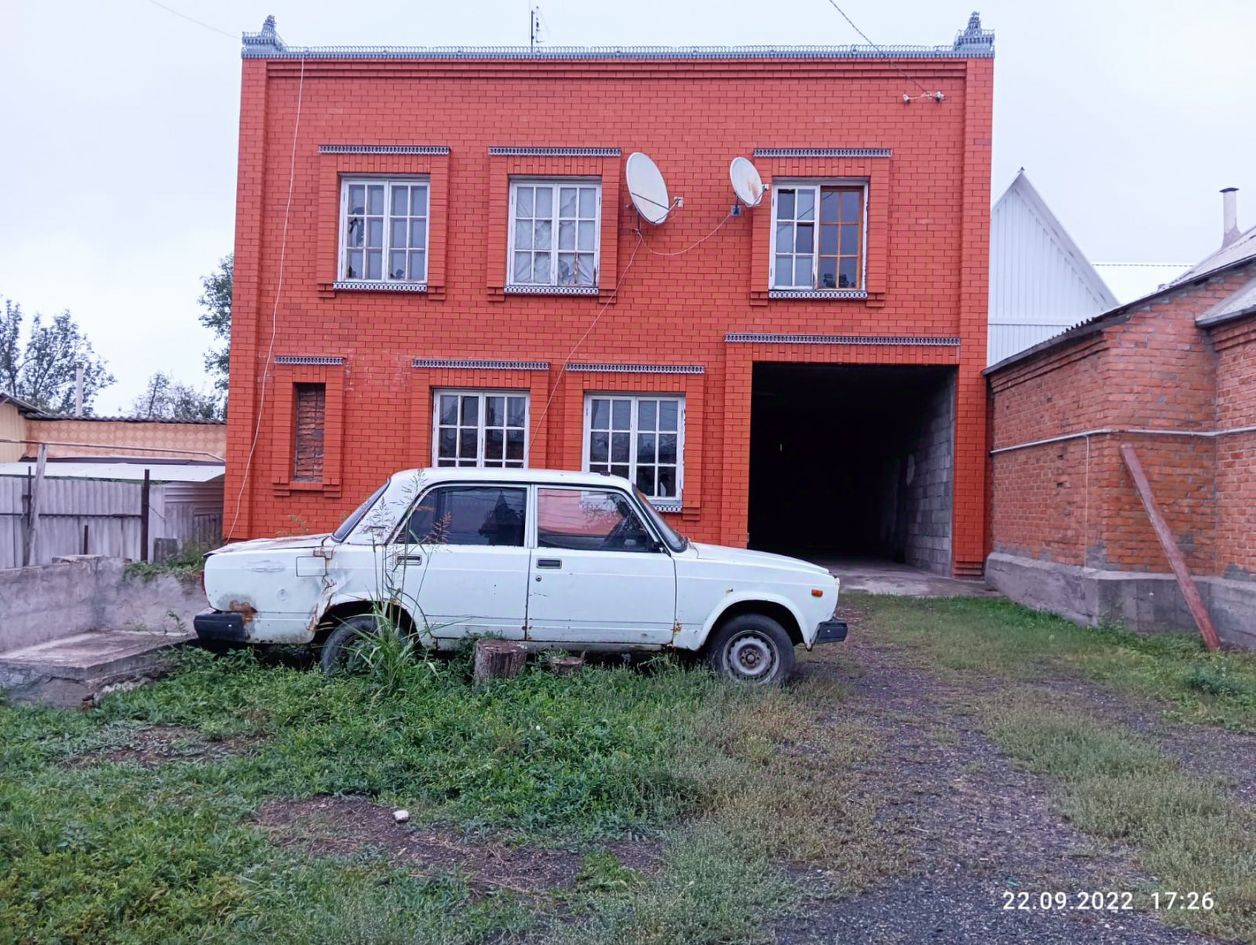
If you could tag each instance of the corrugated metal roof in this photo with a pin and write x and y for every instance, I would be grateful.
(1241, 303)
(1241, 249)
(134, 472)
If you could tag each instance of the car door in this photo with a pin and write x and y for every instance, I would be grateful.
(463, 560)
(599, 575)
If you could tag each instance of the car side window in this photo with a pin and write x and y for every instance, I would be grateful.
(590, 520)
(469, 515)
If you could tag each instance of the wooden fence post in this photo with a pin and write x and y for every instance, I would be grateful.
(144, 509)
(30, 553)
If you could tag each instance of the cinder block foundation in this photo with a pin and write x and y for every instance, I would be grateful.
(1139, 601)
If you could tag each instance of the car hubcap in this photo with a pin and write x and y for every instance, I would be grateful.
(751, 657)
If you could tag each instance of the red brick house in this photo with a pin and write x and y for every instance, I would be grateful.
(1173, 374)
(437, 262)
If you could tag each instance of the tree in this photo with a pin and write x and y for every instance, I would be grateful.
(39, 367)
(166, 399)
(216, 301)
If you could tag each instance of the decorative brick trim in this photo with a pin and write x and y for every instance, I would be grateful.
(516, 289)
(511, 151)
(258, 48)
(480, 364)
(822, 152)
(606, 368)
(383, 149)
(926, 341)
(361, 285)
(830, 294)
(326, 360)
(665, 506)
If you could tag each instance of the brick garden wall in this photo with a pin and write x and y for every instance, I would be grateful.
(1073, 502)
(926, 265)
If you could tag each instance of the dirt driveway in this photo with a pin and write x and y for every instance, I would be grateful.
(980, 829)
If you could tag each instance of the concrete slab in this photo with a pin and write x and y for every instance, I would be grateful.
(71, 670)
(887, 577)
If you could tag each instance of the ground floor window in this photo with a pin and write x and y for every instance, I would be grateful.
(480, 428)
(638, 437)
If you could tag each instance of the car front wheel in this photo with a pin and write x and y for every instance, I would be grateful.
(752, 649)
(340, 652)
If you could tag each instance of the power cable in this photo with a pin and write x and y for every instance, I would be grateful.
(884, 55)
(192, 19)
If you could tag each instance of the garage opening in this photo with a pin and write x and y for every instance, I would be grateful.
(853, 461)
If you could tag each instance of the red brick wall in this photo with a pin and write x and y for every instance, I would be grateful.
(1073, 501)
(927, 257)
(1235, 344)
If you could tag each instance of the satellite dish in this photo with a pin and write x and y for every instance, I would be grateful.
(747, 183)
(647, 188)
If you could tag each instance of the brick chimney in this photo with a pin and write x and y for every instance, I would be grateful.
(1229, 216)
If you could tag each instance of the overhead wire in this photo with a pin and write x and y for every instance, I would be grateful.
(884, 55)
(192, 19)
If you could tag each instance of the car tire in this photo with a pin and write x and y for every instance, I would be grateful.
(336, 648)
(752, 649)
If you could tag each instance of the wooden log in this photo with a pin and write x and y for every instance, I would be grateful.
(567, 665)
(497, 659)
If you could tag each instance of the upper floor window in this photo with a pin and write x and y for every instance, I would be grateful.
(638, 438)
(383, 229)
(554, 235)
(817, 236)
(480, 428)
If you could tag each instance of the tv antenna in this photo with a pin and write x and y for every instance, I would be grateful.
(534, 26)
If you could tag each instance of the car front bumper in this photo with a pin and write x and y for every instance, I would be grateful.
(830, 631)
(220, 625)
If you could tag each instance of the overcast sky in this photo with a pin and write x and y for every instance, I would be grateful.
(118, 154)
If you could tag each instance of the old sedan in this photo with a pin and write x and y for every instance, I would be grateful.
(559, 560)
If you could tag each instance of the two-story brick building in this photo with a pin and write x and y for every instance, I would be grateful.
(437, 262)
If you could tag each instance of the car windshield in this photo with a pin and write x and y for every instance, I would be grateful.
(349, 524)
(675, 540)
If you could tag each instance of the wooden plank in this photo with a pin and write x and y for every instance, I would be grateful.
(37, 487)
(1177, 561)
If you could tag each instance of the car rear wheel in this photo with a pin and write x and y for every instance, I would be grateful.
(340, 649)
(752, 649)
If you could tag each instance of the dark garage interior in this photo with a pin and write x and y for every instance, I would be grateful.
(853, 461)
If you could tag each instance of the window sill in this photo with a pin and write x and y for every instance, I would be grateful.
(330, 490)
(362, 285)
(516, 289)
(830, 294)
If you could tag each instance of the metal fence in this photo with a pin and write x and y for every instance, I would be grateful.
(103, 517)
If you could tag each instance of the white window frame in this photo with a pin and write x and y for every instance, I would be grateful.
(814, 184)
(342, 263)
(553, 283)
(668, 503)
(481, 425)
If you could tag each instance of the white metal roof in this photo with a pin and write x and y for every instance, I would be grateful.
(1132, 280)
(133, 472)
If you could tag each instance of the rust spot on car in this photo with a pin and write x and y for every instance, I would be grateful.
(244, 609)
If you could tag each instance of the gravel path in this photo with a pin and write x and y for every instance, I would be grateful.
(977, 827)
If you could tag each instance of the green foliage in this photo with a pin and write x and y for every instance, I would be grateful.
(188, 562)
(166, 399)
(1001, 639)
(40, 366)
(215, 300)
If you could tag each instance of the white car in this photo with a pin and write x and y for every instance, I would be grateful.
(559, 560)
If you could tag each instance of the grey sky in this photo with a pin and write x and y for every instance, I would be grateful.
(119, 126)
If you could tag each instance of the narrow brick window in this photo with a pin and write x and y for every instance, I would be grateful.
(307, 447)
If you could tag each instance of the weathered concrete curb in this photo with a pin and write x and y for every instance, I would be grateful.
(1141, 602)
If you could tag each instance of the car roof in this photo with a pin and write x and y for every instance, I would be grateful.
(562, 477)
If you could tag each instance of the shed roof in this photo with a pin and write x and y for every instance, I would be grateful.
(157, 472)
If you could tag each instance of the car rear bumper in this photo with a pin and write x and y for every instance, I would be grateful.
(220, 625)
(830, 631)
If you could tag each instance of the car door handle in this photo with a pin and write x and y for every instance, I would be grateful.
(552, 563)
(409, 559)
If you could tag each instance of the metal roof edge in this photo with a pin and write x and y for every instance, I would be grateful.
(1111, 317)
(608, 53)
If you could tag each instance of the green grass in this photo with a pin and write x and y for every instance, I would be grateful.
(1188, 833)
(998, 639)
(93, 850)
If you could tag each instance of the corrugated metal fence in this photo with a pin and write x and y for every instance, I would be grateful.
(102, 517)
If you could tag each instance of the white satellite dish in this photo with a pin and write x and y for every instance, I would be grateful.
(647, 188)
(747, 183)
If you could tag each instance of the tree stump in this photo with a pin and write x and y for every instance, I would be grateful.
(497, 659)
(567, 665)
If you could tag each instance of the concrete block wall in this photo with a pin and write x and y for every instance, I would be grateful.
(87, 592)
(929, 482)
